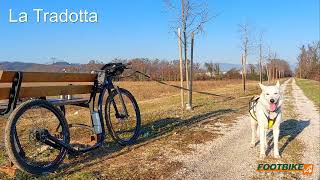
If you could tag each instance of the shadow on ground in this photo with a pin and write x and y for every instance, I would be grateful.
(289, 129)
(149, 133)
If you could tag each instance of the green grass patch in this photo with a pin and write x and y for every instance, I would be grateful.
(82, 175)
(311, 89)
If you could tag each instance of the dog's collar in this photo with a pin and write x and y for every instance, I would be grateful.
(271, 121)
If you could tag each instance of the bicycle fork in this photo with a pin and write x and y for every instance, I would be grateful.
(125, 111)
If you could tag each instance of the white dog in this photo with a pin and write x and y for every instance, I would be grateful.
(266, 113)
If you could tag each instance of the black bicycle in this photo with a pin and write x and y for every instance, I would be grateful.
(37, 135)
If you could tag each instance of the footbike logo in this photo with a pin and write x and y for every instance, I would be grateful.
(305, 169)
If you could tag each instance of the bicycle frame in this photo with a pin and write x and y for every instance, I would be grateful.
(108, 86)
(102, 85)
(106, 106)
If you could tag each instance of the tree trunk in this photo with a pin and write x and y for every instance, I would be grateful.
(191, 70)
(181, 69)
(260, 63)
(300, 68)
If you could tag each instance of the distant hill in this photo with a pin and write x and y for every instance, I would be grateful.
(22, 66)
(18, 66)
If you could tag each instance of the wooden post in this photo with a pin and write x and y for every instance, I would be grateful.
(189, 107)
(244, 72)
(187, 75)
(260, 62)
(181, 68)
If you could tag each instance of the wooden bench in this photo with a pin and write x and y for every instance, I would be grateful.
(44, 84)
(41, 84)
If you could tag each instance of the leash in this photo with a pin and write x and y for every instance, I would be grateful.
(177, 87)
(252, 103)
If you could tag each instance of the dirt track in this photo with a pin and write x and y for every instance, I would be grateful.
(311, 134)
(230, 156)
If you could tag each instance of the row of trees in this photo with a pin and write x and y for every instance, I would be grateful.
(276, 69)
(309, 62)
(169, 70)
(270, 67)
(155, 68)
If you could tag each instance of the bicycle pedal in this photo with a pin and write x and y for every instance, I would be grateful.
(93, 138)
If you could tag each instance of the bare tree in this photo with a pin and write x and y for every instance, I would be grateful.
(274, 66)
(302, 60)
(216, 69)
(309, 61)
(260, 57)
(245, 45)
(268, 64)
(209, 67)
(190, 16)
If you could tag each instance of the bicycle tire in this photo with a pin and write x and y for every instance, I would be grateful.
(10, 131)
(110, 126)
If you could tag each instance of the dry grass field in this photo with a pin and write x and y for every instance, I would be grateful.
(163, 123)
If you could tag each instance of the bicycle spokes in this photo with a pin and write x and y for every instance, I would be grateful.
(29, 135)
(123, 117)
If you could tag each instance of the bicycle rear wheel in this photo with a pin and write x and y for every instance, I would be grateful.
(25, 144)
(122, 116)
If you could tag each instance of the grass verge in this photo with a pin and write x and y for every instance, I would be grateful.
(311, 89)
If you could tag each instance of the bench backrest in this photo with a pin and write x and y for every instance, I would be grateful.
(40, 84)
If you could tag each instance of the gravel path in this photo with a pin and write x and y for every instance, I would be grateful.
(223, 158)
(230, 156)
(310, 136)
(227, 157)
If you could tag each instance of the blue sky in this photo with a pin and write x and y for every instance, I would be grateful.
(141, 28)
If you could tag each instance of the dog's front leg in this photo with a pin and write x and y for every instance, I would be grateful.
(262, 142)
(276, 132)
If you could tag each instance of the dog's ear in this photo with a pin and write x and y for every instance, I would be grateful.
(278, 84)
(262, 86)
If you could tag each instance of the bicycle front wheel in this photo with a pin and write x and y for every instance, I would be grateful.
(24, 136)
(122, 116)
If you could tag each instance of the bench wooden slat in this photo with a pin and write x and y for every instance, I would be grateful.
(7, 76)
(41, 91)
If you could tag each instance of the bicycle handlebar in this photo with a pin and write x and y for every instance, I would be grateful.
(115, 69)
